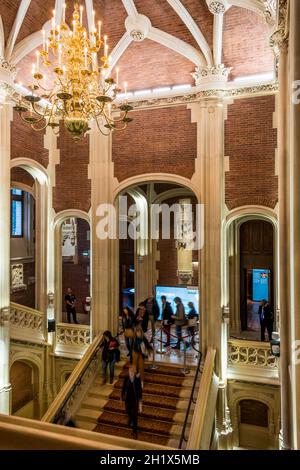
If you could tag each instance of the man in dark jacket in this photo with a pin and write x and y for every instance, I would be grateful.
(152, 309)
(266, 319)
(132, 395)
(167, 314)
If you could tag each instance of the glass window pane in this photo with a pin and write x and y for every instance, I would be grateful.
(17, 192)
(17, 217)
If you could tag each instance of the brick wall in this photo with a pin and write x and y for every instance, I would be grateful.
(158, 140)
(250, 143)
(18, 175)
(246, 43)
(27, 143)
(75, 275)
(164, 17)
(8, 11)
(37, 15)
(150, 65)
(73, 188)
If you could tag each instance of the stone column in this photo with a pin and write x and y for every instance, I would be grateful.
(5, 387)
(209, 177)
(280, 43)
(294, 52)
(104, 266)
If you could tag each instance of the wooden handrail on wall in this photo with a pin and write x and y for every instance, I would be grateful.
(200, 431)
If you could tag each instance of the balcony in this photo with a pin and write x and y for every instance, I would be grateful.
(252, 360)
(26, 324)
(72, 340)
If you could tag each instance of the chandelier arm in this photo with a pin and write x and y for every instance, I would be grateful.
(38, 113)
(39, 129)
(102, 132)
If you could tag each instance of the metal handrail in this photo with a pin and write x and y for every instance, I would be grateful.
(182, 437)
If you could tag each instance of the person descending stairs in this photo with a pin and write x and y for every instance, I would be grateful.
(166, 394)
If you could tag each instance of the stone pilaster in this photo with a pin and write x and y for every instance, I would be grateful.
(105, 274)
(5, 388)
(294, 66)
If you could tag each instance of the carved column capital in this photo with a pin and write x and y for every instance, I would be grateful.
(214, 76)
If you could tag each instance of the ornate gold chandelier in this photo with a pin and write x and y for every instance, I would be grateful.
(82, 92)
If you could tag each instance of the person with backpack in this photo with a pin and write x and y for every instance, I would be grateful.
(110, 355)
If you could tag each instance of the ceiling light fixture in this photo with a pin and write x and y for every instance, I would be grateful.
(82, 91)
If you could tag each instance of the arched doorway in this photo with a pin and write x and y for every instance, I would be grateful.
(73, 276)
(251, 272)
(25, 390)
(163, 260)
(256, 272)
(254, 425)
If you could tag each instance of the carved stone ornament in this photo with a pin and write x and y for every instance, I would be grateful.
(270, 11)
(279, 39)
(185, 277)
(217, 7)
(137, 35)
(138, 27)
(212, 76)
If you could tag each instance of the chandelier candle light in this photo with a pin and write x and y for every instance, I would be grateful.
(81, 91)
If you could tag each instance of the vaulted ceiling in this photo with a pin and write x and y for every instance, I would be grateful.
(181, 34)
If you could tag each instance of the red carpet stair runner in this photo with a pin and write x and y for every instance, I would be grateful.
(165, 399)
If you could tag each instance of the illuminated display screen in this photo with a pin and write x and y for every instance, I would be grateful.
(185, 293)
(260, 284)
(17, 218)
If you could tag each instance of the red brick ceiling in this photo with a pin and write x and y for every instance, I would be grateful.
(147, 64)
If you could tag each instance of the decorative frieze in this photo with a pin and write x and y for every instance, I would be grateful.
(220, 93)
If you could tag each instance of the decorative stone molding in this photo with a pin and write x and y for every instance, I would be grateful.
(211, 76)
(138, 27)
(270, 11)
(185, 277)
(4, 316)
(280, 38)
(26, 323)
(17, 278)
(72, 340)
(251, 353)
(217, 7)
(7, 68)
(50, 299)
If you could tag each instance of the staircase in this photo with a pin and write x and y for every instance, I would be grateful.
(166, 396)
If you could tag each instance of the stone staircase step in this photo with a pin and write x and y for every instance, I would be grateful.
(155, 400)
(126, 432)
(144, 424)
(162, 390)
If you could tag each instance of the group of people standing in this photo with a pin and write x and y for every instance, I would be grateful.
(149, 311)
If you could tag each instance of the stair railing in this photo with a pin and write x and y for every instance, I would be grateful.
(204, 413)
(183, 437)
(70, 396)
